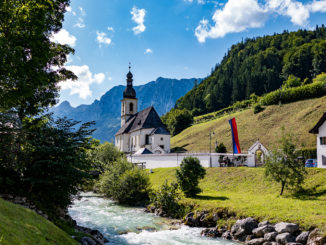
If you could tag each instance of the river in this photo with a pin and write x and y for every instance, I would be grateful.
(125, 225)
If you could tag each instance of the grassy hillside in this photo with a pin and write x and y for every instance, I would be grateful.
(19, 225)
(297, 118)
(246, 192)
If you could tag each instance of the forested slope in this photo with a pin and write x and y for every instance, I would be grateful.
(259, 65)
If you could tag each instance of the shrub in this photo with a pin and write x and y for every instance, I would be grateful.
(167, 199)
(125, 183)
(292, 82)
(221, 148)
(177, 120)
(188, 176)
(283, 166)
(257, 108)
(307, 153)
(313, 90)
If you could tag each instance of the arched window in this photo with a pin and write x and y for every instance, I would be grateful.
(131, 107)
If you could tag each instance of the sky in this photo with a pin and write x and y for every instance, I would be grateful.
(165, 38)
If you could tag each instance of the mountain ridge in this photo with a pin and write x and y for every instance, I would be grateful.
(161, 93)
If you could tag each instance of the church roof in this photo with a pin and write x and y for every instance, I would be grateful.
(160, 130)
(315, 129)
(147, 118)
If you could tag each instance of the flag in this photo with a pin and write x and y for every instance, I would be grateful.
(235, 138)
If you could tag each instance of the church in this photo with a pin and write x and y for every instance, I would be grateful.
(141, 132)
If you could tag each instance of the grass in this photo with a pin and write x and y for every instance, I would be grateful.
(297, 118)
(19, 225)
(246, 192)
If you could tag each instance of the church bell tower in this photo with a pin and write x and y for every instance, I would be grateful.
(129, 103)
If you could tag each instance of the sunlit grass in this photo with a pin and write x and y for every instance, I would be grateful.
(297, 118)
(246, 192)
(19, 225)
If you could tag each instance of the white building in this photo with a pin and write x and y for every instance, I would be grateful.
(141, 131)
(320, 130)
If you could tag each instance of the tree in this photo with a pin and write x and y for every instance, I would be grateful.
(31, 65)
(283, 165)
(189, 174)
(292, 82)
(221, 148)
(103, 155)
(125, 183)
(177, 120)
(53, 160)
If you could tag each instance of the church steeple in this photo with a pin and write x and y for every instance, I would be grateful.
(129, 91)
(129, 103)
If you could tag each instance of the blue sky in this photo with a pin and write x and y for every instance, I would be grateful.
(167, 38)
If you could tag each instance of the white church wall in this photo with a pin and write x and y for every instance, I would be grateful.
(161, 139)
(152, 161)
(321, 149)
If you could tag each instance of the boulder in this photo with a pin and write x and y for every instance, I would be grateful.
(266, 222)
(270, 236)
(284, 238)
(294, 243)
(211, 233)
(284, 227)
(303, 237)
(243, 227)
(227, 235)
(261, 231)
(257, 241)
(88, 241)
(271, 243)
(316, 238)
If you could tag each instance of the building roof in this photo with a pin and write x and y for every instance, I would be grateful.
(160, 130)
(143, 151)
(315, 129)
(147, 118)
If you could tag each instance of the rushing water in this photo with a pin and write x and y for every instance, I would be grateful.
(125, 225)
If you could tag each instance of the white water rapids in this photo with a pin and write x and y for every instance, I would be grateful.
(124, 225)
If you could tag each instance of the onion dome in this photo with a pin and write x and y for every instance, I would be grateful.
(129, 91)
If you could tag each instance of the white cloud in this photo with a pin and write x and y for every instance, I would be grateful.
(68, 9)
(85, 79)
(236, 16)
(298, 12)
(102, 38)
(239, 15)
(148, 51)
(80, 21)
(64, 37)
(318, 6)
(110, 28)
(138, 16)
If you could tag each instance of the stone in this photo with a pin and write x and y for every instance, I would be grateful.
(88, 241)
(266, 222)
(284, 238)
(270, 236)
(271, 243)
(243, 227)
(294, 243)
(284, 227)
(227, 235)
(315, 238)
(261, 231)
(257, 241)
(303, 237)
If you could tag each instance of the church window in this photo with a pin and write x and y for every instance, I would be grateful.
(131, 107)
(323, 160)
(323, 140)
(161, 138)
(162, 146)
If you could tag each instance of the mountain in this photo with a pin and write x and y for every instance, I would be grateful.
(259, 65)
(162, 94)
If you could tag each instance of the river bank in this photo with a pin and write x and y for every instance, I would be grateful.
(126, 225)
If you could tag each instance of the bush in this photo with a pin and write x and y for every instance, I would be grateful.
(177, 120)
(167, 199)
(308, 153)
(257, 108)
(125, 183)
(316, 89)
(221, 148)
(189, 174)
